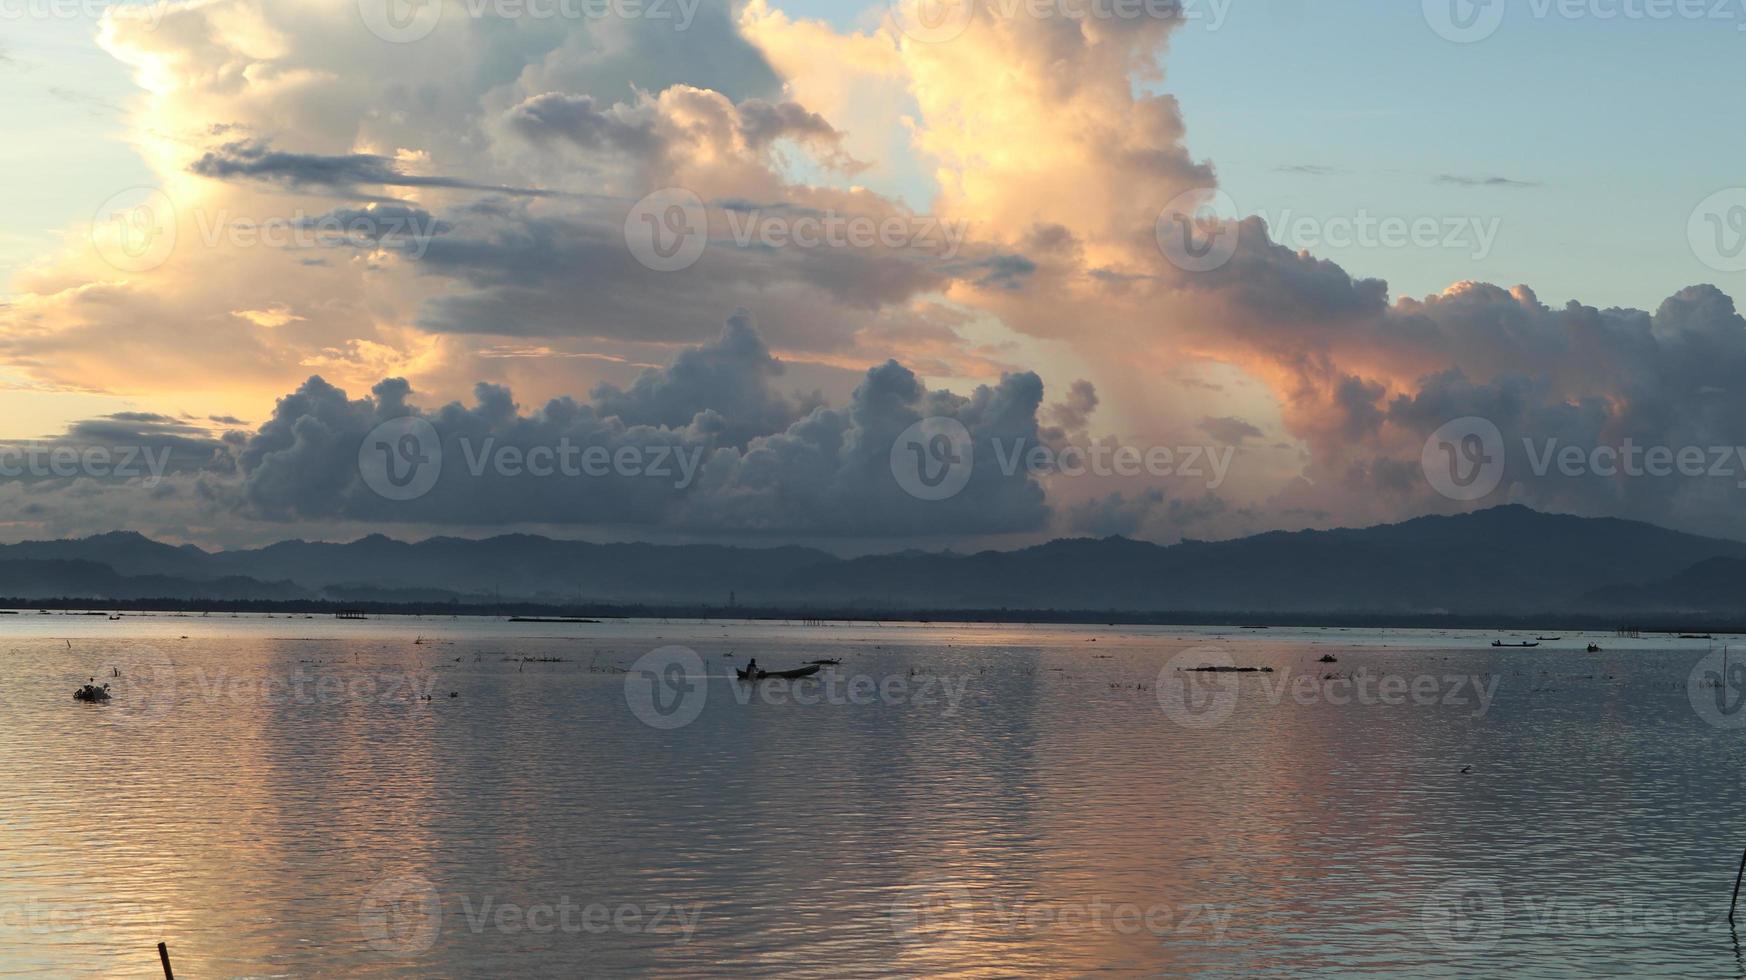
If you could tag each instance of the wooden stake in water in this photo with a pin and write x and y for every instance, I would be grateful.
(164, 957)
(1735, 903)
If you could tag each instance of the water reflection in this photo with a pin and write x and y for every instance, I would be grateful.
(294, 805)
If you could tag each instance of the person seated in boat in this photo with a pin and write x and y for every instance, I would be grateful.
(752, 669)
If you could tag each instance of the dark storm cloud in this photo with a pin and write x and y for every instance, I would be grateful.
(825, 472)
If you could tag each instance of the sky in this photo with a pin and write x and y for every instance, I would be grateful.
(1515, 222)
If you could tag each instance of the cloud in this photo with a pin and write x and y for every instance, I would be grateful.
(1073, 413)
(1147, 513)
(731, 378)
(1465, 180)
(674, 123)
(822, 472)
(1051, 144)
(256, 160)
(1230, 430)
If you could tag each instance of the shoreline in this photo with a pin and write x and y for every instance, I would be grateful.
(593, 613)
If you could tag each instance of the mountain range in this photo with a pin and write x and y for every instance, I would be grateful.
(1507, 560)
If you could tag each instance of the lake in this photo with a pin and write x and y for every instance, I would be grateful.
(274, 796)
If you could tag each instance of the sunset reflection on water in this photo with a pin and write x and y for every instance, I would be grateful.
(286, 802)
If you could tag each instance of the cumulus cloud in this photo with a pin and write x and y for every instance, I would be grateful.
(711, 449)
(1049, 145)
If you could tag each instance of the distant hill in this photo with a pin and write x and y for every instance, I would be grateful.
(1716, 585)
(1506, 560)
(1500, 560)
(50, 578)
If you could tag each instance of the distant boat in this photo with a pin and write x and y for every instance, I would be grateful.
(1549, 639)
(1696, 636)
(780, 674)
(1523, 644)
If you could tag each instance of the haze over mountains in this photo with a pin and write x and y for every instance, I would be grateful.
(1507, 560)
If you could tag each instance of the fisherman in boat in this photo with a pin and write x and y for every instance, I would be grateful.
(752, 669)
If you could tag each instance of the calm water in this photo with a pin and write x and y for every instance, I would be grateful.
(274, 797)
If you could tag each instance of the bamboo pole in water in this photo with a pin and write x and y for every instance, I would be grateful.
(164, 957)
(1736, 902)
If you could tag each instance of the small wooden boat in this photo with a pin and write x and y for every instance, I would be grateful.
(796, 673)
(824, 663)
(1514, 646)
(1548, 639)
